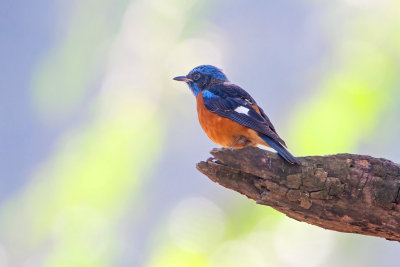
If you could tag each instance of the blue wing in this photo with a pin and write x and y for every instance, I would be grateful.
(231, 90)
(281, 150)
(232, 102)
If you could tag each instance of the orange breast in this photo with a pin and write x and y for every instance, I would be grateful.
(221, 130)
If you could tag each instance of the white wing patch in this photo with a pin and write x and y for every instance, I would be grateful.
(243, 110)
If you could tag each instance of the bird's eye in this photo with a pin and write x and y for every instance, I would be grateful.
(196, 76)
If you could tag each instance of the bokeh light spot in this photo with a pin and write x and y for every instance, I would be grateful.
(237, 254)
(296, 244)
(196, 224)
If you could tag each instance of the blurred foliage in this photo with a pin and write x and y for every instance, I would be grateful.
(78, 197)
(68, 215)
(346, 108)
(72, 207)
(67, 73)
(359, 89)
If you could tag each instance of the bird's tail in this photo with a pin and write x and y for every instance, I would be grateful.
(281, 150)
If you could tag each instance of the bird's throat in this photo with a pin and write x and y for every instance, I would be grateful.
(194, 88)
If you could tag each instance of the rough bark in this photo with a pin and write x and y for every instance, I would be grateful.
(344, 192)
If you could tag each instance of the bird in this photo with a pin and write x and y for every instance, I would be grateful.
(229, 115)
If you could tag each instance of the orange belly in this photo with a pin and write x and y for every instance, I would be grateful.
(224, 131)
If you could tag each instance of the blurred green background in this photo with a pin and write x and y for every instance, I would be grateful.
(98, 145)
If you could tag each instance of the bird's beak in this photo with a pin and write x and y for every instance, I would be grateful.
(182, 79)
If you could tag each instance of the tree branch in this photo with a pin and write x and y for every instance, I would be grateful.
(344, 192)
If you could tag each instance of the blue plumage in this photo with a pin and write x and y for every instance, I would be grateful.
(206, 75)
(230, 98)
(281, 150)
(194, 88)
(229, 101)
(207, 95)
(209, 70)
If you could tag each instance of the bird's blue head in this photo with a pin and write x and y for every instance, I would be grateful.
(202, 77)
